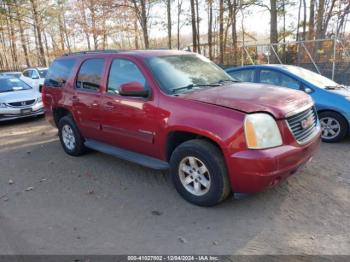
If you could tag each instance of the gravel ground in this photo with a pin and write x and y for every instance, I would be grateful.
(51, 203)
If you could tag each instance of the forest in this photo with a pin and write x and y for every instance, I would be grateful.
(34, 32)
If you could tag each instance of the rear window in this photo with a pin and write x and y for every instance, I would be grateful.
(59, 72)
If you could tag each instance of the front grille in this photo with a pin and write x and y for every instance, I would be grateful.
(303, 124)
(22, 103)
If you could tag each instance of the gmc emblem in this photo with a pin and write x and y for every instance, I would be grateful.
(306, 123)
(23, 103)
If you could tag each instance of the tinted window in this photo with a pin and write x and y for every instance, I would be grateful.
(123, 71)
(90, 74)
(27, 73)
(244, 75)
(59, 72)
(269, 77)
(12, 84)
(277, 78)
(42, 73)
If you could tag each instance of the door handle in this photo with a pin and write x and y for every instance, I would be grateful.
(109, 106)
(75, 99)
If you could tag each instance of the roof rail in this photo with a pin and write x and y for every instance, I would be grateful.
(93, 52)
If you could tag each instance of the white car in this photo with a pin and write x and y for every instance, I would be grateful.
(18, 100)
(34, 76)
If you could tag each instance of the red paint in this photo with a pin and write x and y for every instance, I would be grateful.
(144, 124)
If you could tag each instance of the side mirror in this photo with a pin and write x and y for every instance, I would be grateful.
(40, 88)
(308, 90)
(133, 89)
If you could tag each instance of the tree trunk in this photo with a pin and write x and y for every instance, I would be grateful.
(143, 19)
(304, 22)
(298, 21)
(21, 32)
(179, 7)
(273, 23)
(198, 33)
(233, 16)
(37, 26)
(319, 21)
(311, 20)
(169, 22)
(85, 27)
(194, 27)
(210, 28)
(221, 31)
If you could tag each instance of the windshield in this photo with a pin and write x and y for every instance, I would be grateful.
(312, 77)
(12, 84)
(178, 71)
(42, 73)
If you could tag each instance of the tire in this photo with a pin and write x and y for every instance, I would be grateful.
(76, 146)
(334, 127)
(202, 153)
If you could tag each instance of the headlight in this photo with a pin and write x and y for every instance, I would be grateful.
(261, 131)
(39, 99)
(2, 105)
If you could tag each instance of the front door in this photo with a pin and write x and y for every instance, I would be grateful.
(129, 122)
(87, 95)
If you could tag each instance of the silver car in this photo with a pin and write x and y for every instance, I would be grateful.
(18, 99)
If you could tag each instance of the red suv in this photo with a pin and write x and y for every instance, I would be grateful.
(179, 111)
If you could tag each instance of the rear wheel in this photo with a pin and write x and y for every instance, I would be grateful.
(199, 173)
(334, 127)
(71, 139)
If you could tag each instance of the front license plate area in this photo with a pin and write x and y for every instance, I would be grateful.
(26, 111)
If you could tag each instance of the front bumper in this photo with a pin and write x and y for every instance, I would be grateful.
(11, 113)
(253, 171)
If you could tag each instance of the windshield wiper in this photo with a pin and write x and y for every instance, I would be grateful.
(227, 80)
(191, 86)
(335, 87)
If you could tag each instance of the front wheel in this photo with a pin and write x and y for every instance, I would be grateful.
(199, 173)
(334, 127)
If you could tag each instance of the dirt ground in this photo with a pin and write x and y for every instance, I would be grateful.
(52, 203)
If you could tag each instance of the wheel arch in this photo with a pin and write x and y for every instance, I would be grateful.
(60, 112)
(176, 137)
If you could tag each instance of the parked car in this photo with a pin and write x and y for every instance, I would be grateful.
(332, 100)
(177, 110)
(13, 74)
(18, 100)
(34, 76)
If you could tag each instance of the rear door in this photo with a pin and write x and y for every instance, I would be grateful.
(87, 95)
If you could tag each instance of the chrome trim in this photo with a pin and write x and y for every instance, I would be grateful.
(313, 134)
(299, 110)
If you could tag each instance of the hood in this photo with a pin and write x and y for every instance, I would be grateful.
(342, 92)
(251, 98)
(18, 96)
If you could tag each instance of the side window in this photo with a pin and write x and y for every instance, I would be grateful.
(289, 82)
(27, 73)
(269, 77)
(279, 79)
(90, 74)
(123, 71)
(59, 72)
(35, 74)
(243, 75)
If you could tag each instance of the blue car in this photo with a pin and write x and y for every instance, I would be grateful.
(332, 100)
